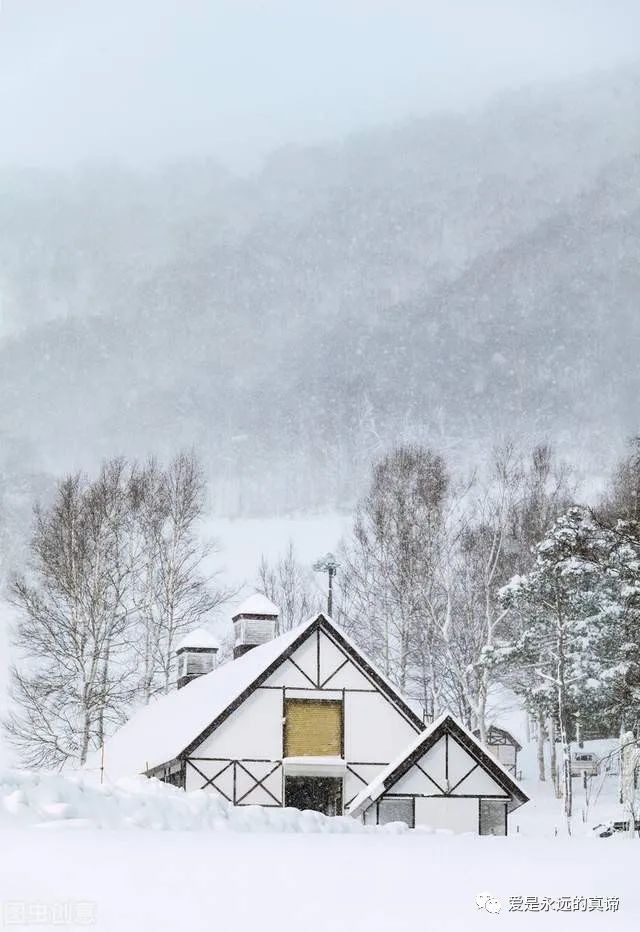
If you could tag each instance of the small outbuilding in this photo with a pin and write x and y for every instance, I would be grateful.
(503, 746)
(444, 780)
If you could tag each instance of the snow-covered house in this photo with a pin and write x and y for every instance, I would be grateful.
(303, 720)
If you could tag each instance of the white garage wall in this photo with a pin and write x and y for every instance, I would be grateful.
(457, 815)
(434, 762)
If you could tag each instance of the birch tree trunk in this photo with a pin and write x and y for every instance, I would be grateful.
(553, 756)
(540, 747)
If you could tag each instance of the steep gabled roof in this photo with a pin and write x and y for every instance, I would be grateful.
(446, 723)
(173, 725)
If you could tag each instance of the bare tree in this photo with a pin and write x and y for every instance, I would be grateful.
(116, 578)
(622, 498)
(390, 562)
(546, 490)
(290, 586)
(73, 621)
(175, 592)
(482, 567)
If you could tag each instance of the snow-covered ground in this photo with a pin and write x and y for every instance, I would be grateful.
(378, 882)
(141, 856)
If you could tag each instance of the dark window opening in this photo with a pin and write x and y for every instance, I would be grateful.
(493, 817)
(396, 810)
(321, 794)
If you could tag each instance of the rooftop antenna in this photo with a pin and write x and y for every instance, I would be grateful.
(329, 565)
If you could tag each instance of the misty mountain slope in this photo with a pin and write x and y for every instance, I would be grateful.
(373, 218)
(455, 279)
(543, 336)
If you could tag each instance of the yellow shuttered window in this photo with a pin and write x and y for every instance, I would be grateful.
(313, 728)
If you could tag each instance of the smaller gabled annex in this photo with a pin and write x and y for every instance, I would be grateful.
(445, 780)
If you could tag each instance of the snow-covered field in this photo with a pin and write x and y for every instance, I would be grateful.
(141, 856)
(376, 882)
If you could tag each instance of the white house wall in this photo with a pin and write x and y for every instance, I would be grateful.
(253, 730)
(288, 675)
(246, 782)
(358, 776)
(328, 694)
(306, 658)
(434, 762)
(480, 783)
(374, 730)
(415, 782)
(331, 657)
(448, 767)
(459, 762)
(505, 753)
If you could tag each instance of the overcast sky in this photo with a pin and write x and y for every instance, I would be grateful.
(155, 79)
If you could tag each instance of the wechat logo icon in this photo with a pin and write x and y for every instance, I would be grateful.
(488, 902)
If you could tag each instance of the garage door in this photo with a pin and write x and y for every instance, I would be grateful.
(454, 814)
(313, 728)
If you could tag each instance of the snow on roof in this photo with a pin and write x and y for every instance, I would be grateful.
(377, 786)
(257, 604)
(162, 730)
(198, 638)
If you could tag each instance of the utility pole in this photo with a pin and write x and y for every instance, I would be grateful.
(329, 565)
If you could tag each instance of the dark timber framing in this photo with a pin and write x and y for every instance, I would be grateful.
(241, 765)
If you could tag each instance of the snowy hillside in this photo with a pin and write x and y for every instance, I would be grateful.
(436, 279)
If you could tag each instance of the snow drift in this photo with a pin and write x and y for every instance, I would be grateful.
(44, 799)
